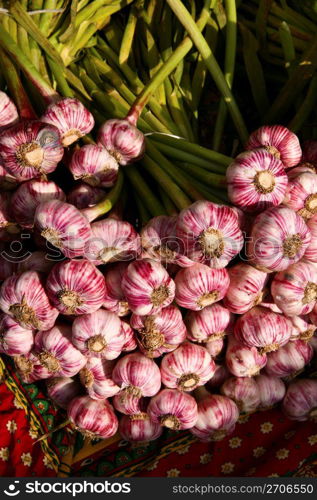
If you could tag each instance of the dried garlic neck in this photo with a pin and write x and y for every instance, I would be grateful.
(165, 252)
(264, 182)
(159, 295)
(139, 416)
(273, 151)
(310, 293)
(132, 390)
(86, 377)
(23, 364)
(212, 243)
(71, 136)
(49, 361)
(311, 203)
(25, 315)
(170, 421)
(53, 236)
(269, 348)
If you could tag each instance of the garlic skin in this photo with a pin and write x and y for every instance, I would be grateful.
(62, 390)
(243, 391)
(122, 140)
(279, 141)
(30, 149)
(29, 195)
(209, 324)
(63, 226)
(7, 268)
(94, 165)
(295, 290)
(36, 261)
(301, 194)
(14, 339)
(311, 251)
(147, 287)
(24, 299)
(186, 368)
(173, 409)
(76, 287)
(94, 419)
(199, 286)
(96, 377)
(245, 289)
(289, 359)
(98, 334)
(217, 416)
(139, 427)
(7, 181)
(220, 376)
(300, 402)
(263, 329)
(55, 352)
(279, 238)
(71, 118)
(271, 390)
(210, 233)
(130, 343)
(8, 112)
(127, 403)
(30, 369)
(137, 375)
(159, 333)
(112, 240)
(256, 181)
(115, 300)
(301, 329)
(85, 196)
(242, 360)
(214, 347)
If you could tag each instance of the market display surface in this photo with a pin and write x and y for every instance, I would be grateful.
(157, 297)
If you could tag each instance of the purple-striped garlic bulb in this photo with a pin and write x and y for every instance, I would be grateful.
(199, 286)
(217, 416)
(7, 268)
(173, 409)
(130, 342)
(147, 287)
(8, 112)
(301, 328)
(243, 360)
(243, 391)
(210, 233)
(279, 238)
(7, 181)
(29, 195)
(98, 334)
(127, 403)
(122, 140)
(36, 261)
(246, 288)
(256, 181)
(295, 290)
(115, 300)
(23, 297)
(301, 194)
(209, 324)
(220, 376)
(76, 287)
(63, 226)
(112, 240)
(14, 338)
(30, 149)
(96, 378)
(94, 165)
(311, 251)
(271, 390)
(71, 118)
(263, 329)
(289, 360)
(300, 401)
(279, 141)
(301, 169)
(214, 347)
(85, 196)
(159, 333)
(62, 390)
(94, 419)
(188, 367)
(30, 369)
(8, 226)
(56, 352)
(139, 428)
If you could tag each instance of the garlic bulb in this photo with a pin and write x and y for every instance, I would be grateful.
(129, 404)
(14, 339)
(295, 290)
(246, 288)
(8, 112)
(85, 196)
(301, 194)
(130, 343)
(98, 334)
(115, 300)
(137, 375)
(29, 195)
(62, 390)
(256, 181)
(94, 419)
(289, 359)
(159, 333)
(36, 261)
(301, 329)
(199, 286)
(279, 141)
(147, 287)
(23, 298)
(210, 233)
(186, 368)
(279, 238)
(122, 140)
(139, 428)
(242, 360)
(209, 324)
(271, 390)
(76, 287)
(94, 165)
(71, 118)
(311, 251)
(221, 374)
(96, 377)
(62, 225)
(300, 402)
(173, 409)
(214, 347)
(30, 369)
(30, 149)
(243, 391)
